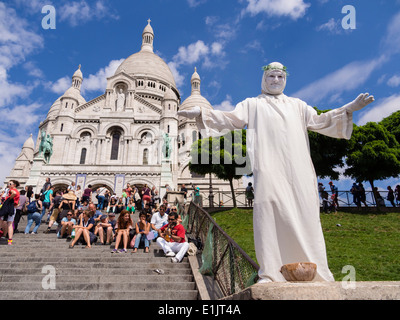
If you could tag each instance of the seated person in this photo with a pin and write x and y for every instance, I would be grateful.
(122, 228)
(112, 205)
(104, 227)
(67, 225)
(147, 210)
(158, 220)
(172, 239)
(131, 206)
(175, 209)
(142, 230)
(120, 206)
(84, 231)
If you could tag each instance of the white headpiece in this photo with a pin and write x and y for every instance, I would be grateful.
(274, 66)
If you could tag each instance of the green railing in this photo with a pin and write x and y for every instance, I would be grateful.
(222, 258)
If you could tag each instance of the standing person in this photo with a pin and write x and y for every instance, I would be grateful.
(146, 195)
(128, 191)
(355, 191)
(56, 211)
(397, 194)
(101, 197)
(142, 230)
(185, 191)
(122, 228)
(33, 210)
(72, 187)
(7, 219)
(78, 194)
(286, 220)
(335, 193)
(172, 239)
(29, 194)
(363, 197)
(390, 196)
(48, 198)
(46, 186)
(250, 194)
(87, 194)
(197, 196)
(23, 201)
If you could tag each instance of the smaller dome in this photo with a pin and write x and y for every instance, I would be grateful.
(169, 95)
(29, 143)
(74, 93)
(148, 28)
(78, 73)
(195, 100)
(195, 75)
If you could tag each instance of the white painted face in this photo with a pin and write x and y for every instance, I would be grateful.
(275, 82)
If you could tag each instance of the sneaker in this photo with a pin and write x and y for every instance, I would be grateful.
(122, 251)
(114, 251)
(174, 260)
(170, 254)
(33, 232)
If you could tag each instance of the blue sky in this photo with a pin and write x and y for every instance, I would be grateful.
(228, 42)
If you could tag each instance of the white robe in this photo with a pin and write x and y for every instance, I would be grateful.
(286, 216)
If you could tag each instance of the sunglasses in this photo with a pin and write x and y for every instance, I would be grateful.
(171, 219)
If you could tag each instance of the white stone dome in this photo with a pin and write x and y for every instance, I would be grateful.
(29, 143)
(147, 64)
(169, 95)
(195, 100)
(74, 93)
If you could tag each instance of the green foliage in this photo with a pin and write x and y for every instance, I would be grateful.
(374, 154)
(392, 124)
(224, 156)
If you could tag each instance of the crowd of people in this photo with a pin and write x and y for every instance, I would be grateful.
(331, 203)
(143, 217)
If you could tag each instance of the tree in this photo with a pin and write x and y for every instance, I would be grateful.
(224, 156)
(374, 154)
(392, 124)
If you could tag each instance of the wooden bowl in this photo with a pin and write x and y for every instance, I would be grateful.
(299, 271)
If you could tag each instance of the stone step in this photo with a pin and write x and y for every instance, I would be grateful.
(95, 278)
(94, 265)
(103, 286)
(104, 271)
(100, 295)
(128, 262)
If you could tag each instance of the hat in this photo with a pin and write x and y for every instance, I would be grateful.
(104, 216)
(70, 195)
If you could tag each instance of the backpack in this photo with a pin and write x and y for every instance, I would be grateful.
(31, 208)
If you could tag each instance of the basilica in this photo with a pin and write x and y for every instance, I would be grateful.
(130, 134)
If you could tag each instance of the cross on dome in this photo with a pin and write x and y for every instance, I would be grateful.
(148, 21)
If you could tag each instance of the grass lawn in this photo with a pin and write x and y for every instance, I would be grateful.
(368, 242)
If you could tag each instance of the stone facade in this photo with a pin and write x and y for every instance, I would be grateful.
(117, 138)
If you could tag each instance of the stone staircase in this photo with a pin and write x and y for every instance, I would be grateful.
(27, 268)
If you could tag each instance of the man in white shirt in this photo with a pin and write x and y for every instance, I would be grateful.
(158, 220)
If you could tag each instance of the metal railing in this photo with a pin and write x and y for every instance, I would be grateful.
(222, 257)
(345, 199)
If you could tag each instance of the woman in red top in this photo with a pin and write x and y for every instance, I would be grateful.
(7, 222)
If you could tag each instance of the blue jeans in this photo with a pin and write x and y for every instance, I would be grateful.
(101, 202)
(140, 237)
(46, 205)
(33, 217)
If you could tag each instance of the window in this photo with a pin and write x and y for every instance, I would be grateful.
(62, 127)
(115, 146)
(194, 136)
(146, 156)
(168, 128)
(83, 156)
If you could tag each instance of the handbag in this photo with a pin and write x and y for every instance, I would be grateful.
(7, 209)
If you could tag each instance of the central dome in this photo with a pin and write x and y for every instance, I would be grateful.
(147, 64)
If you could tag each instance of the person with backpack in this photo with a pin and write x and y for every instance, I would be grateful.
(33, 210)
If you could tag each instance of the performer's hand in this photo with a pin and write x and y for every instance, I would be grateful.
(360, 102)
(191, 113)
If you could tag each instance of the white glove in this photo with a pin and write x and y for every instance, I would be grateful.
(191, 113)
(360, 102)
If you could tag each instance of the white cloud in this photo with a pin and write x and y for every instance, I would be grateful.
(292, 8)
(179, 79)
(391, 41)
(98, 81)
(61, 85)
(394, 81)
(332, 26)
(330, 87)
(225, 105)
(195, 3)
(79, 12)
(379, 110)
